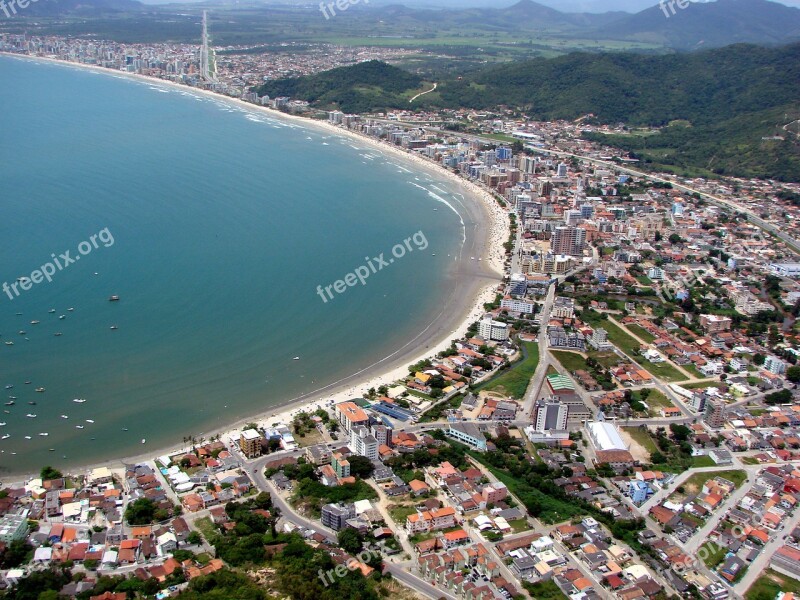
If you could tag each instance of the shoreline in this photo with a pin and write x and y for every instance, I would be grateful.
(462, 307)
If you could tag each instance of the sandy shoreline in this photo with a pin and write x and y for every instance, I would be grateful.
(463, 306)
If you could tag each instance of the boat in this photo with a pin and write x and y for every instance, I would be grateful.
(114, 299)
(89, 421)
(31, 416)
(12, 397)
(79, 400)
(57, 334)
(44, 434)
(78, 426)
(113, 327)
(144, 440)
(5, 437)
(296, 358)
(64, 417)
(27, 437)
(27, 383)
(32, 402)
(21, 332)
(472, 258)
(52, 310)
(9, 343)
(8, 387)
(124, 429)
(62, 317)
(70, 309)
(35, 322)
(40, 389)
(2, 424)
(11, 403)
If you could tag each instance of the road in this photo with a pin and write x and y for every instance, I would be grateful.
(433, 89)
(760, 564)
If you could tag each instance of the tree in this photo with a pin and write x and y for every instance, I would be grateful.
(15, 554)
(49, 472)
(793, 374)
(360, 466)
(349, 540)
(140, 512)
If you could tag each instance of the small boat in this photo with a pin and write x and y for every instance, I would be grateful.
(10, 403)
(57, 334)
(21, 332)
(144, 440)
(27, 383)
(89, 421)
(64, 417)
(12, 397)
(9, 343)
(472, 258)
(32, 402)
(124, 429)
(27, 437)
(70, 309)
(9, 387)
(113, 327)
(35, 322)
(44, 434)
(114, 299)
(40, 389)
(31, 416)
(19, 314)
(296, 358)
(78, 426)
(52, 310)
(62, 317)
(79, 400)
(2, 424)
(5, 437)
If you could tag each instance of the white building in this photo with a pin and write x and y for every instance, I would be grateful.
(605, 436)
(363, 443)
(518, 305)
(489, 329)
(785, 269)
(551, 416)
(774, 365)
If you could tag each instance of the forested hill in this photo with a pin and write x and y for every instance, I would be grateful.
(364, 87)
(726, 99)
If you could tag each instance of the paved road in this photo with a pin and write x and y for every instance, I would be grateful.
(759, 565)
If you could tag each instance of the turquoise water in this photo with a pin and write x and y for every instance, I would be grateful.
(224, 222)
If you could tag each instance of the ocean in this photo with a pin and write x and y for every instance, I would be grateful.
(215, 225)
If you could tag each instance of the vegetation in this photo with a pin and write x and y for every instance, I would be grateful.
(544, 590)
(514, 381)
(140, 512)
(769, 584)
(49, 472)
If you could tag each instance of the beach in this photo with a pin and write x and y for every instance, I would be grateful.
(463, 306)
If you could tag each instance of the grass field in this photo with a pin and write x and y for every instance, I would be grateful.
(642, 437)
(616, 335)
(702, 461)
(571, 361)
(658, 400)
(700, 385)
(514, 381)
(663, 370)
(642, 333)
(606, 359)
(769, 584)
(696, 481)
(400, 512)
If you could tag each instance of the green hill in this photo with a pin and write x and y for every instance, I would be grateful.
(365, 87)
(726, 99)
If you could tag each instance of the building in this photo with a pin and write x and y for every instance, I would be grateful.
(599, 340)
(335, 516)
(489, 329)
(550, 416)
(467, 433)
(563, 308)
(785, 269)
(714, 413)
(518, 284)
(250, 443)
(13, 527)
(341, 466)
(351, 415)
(431, 520)
(786, 560)
(519, 305)
(568, 240)
(363, 443)
(605, 436)
(494, 493)
(638, 491)
(715, 323)
(318, 455)
(774, 365)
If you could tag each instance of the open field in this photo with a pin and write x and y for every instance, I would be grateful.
(769, 584)
(571, 361)
(642, 333)
(514, 381)
(641, 437)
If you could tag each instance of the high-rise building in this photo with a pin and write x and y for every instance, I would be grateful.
(363, 443)
(551, 416)
(250, 443)
(568, 240)
(489, 329)
(714, 414)
(561, 171)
